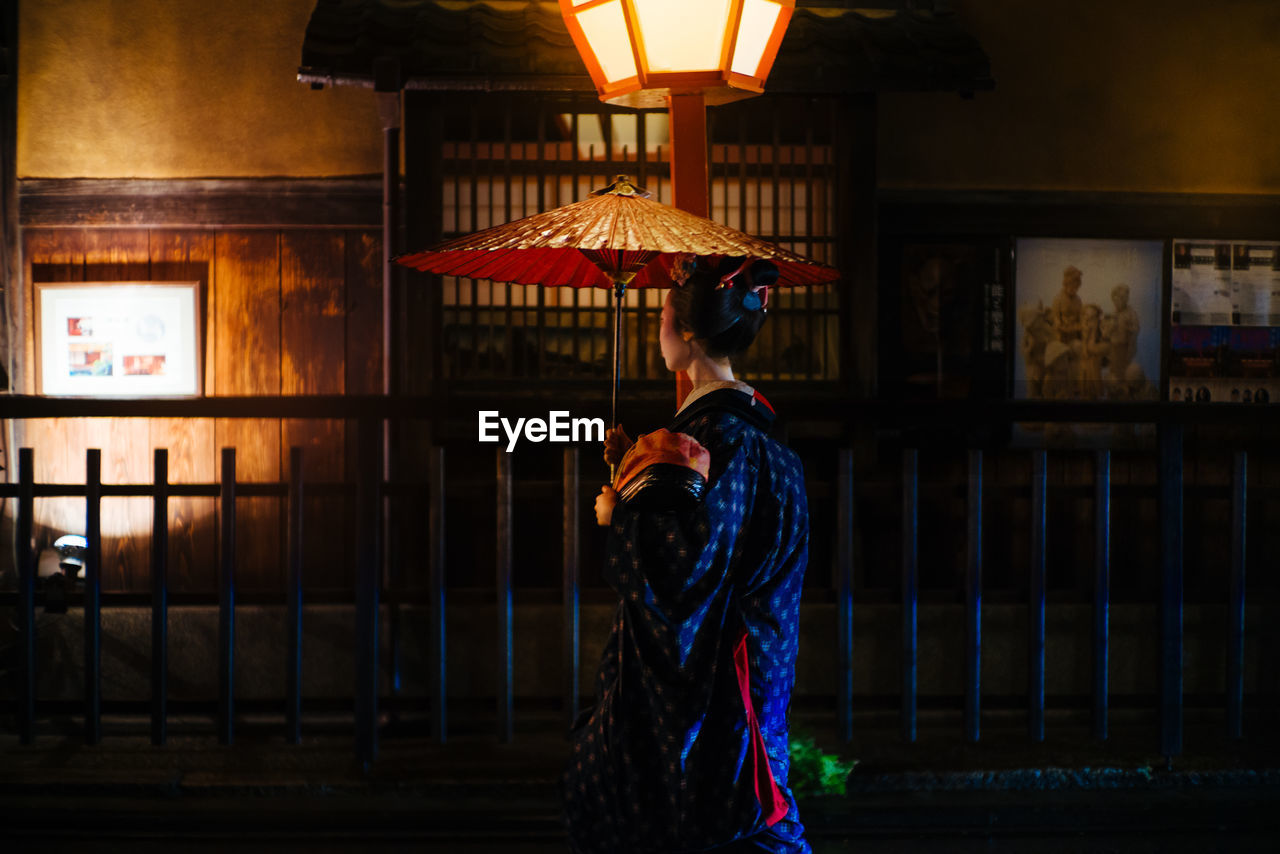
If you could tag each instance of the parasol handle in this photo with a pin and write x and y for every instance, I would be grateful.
(619, 289)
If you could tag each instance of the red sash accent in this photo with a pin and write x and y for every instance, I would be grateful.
(760, 397)
(770, 796)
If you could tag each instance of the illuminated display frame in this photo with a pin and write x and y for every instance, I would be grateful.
(118, 339)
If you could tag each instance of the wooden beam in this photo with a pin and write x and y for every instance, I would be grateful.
(204, 202)
(1035, 213)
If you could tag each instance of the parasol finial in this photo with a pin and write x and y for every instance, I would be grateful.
(623, 186)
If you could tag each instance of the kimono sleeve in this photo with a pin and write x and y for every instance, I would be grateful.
(654, 548)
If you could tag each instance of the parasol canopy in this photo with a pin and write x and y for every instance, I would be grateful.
(617, 233)
(616, 238)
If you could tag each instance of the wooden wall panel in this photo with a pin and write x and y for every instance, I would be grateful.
(293, 312)
(51, 255)
(312, 330)
(121, 255)
(183, 256)
(246, 352)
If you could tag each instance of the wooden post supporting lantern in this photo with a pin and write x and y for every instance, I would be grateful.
(685, 55)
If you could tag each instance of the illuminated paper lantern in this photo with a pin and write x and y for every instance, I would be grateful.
(638, 52)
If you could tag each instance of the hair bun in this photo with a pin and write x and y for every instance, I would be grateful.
(725, 303)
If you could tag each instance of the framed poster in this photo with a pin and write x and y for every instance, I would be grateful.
(1201, 283)
(1225, 283)
(1255, 284)
(1088, 319)
(128, 339)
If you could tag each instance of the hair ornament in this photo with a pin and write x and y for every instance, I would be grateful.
(682, 267)
(727, 280)
(757, 286)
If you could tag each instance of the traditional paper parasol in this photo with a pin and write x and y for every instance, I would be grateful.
(616, 238)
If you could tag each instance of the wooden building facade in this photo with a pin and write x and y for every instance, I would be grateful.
(291, 275)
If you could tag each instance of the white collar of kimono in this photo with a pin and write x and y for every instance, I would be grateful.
(715, 385)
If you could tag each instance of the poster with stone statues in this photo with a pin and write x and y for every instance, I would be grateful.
(1087, 320)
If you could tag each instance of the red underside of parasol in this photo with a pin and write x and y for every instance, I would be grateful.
(561, 267)
(617, 229)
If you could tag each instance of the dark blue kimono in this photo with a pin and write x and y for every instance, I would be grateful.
(669, 760)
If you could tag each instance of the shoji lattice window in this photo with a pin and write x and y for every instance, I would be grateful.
(508, 157)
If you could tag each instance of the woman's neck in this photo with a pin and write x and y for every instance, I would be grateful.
(703, 369)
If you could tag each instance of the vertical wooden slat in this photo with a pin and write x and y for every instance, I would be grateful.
(473, 137)
(910, 588)
(92, 597)
(642, 150)
(247, 351)
(368, 575)
(490, 338)
(26, 596)
(424, 224)
(363, 361)
(293, 666)
(809, 336)
(503, 593)
(539, 367)
(1102, 595)
(973, 603)
(438, 644)
(775, 228)
(1236, 596)
(508, 326)
(572, 513)
(227, 601)
(312, 273)
(395, 324)
(160, 597)
(457, 364)
(183, 256)
(1036, 603)
(575, 325)
(742, 172)
(844, 591)
(1171, 590)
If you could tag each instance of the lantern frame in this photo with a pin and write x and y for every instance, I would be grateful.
(648, 89)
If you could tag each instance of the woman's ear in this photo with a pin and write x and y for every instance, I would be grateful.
(687, 335)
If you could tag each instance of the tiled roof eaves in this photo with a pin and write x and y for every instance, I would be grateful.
(446, 44)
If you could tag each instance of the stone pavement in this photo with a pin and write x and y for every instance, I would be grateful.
(472, 794)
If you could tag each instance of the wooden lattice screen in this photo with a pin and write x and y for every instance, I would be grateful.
(506, 157)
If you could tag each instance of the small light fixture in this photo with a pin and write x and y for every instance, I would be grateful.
(60, 568)
(638, 52)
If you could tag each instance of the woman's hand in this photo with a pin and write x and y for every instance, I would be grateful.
(616, 445)
(605, 502)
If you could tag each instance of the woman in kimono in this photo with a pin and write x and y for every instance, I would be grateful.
(686, 748)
